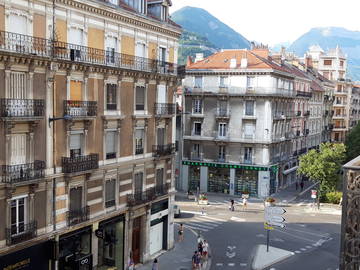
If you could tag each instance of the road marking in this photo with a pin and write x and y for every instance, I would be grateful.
(216, 219)
(193, 212)
(260, 235)
(243, 264)
(278, 240)
(196, 228)
(238, 219)
(303, 249)
(219, 264)
(308, 247)
(316, 234)
(302, 238)
(231, 264)
(200, 225)
(297, 251)
(208, 220)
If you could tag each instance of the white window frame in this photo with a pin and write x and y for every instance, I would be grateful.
(194, 124)
(223, 81)
(245, 106)
(115, 143)
(197, 104)
(222, 153)
(250, 82)
(143, 140)
(26, 212)
(198, 79)
(222, 130)
(82, 141)
(145, 111)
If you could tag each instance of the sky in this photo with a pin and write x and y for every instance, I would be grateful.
(275, 21)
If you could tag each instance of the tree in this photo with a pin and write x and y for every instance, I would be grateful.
(352, 143)
(323, 165)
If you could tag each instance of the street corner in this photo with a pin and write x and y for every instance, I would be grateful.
(263, 258)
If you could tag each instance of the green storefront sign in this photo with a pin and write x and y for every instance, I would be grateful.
(230, 166)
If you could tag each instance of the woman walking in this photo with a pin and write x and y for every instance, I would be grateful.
(181, 233)
(155, 265)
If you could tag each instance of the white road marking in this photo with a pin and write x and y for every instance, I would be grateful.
(260, 235)
(303, 249)
(196, 228)
(278, 240)
(308, 247)
(207, 219)
(243, 264)
(238, 219)
(219, 264)
(199, 225)
(297, 251)
(216, 219)
(231, 264)
(311, 233)
(193, 212)
(302, 238)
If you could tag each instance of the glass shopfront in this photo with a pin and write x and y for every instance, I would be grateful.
(194, 178)
(246, 181)
(75, 250)
(111, 244)
(219, 180)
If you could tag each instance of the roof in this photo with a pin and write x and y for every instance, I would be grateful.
(159, 1)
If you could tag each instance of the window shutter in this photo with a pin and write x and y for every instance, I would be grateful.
(17, 24)
(139, 133)
(75, 198)
(160, 136)
(75, 36)
(110, 190)
(138, 182)
(161, 94)
(75, 141)
(18, 149)
(110, 142)
(18, 85)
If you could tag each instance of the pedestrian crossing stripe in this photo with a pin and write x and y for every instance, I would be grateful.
(200, 225)
(195, 228)
(202, 219)
(216, 219)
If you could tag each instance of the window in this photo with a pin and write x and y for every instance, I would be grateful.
(223, 81)
(162, 55)
(249, 108)
(75, 145)
(140, 98)
(197, 106)
(197, 128)
(140, 50)
(249, 131)
(111, 44)
(222, 153)
(196, 150)
(250, 82)
(17, 24)
(139, 141)
(248, 155)
(111, 97)
(341, 63)
(138, 5)
(110, 193)
(222, 130)
(161, 136)
(327, 62)
(75, 198)
(18, 85)
(164, 13)
(18, 215)
(110, 144)
(18, 149)
(138, 182)
(115, 2)
(198, 82)
(159, 177)
(75, 36)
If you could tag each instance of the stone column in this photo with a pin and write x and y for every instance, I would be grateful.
(232, 181)
(185, 177)
(203, 179)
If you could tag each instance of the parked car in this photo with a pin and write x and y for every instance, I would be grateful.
(177, 212)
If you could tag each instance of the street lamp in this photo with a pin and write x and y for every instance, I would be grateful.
(65, 117)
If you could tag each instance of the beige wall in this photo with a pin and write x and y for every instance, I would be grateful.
(127, 107)
(2, 18)
(96, 38)
(39, 26)
(60, 144)
(61, 30)
(40, 205)
(153, 50)
(171, 55)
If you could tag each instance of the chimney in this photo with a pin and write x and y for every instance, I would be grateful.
(261, 50)
(283, 53)
(233, 63)
(308, 61)
(199, 57)
(244, 60)
(189, 61)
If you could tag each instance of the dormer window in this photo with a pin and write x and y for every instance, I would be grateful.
(159, 9)
(138, 5)
(164, 13)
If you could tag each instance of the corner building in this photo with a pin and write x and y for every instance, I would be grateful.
(87, 135)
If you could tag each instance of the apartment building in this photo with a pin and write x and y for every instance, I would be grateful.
(355, 106)
(238, 110)
(87, 132)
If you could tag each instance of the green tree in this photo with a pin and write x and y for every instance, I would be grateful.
(352, 143)
(323, 165)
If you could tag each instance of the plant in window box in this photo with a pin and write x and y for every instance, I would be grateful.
(245, 194)
(203, 199)
(191, 195)
(269, 201)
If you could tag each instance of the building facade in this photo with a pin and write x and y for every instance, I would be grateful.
(87, 132)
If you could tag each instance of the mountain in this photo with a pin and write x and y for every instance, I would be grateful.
(201, 22)
(277, 47)
(330, 37)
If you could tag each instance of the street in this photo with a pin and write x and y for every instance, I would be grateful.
(312, 236)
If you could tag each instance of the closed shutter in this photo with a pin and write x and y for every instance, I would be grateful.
(75, 145)
(17, 24)
(159, 177)
(18, 85)
(161, 94)
(76, 36)
(249, 130)
(75, 90)
(75, 198)
(138, 182)
(110, 141)
(160, 136)
(140, 50)
(18, 149)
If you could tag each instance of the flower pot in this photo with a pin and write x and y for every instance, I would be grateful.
(267, 204)
(204, 201)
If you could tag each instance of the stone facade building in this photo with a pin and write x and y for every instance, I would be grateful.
(86, 133)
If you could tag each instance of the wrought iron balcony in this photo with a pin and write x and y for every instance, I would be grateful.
(295, 153)
(222, 113)
(162, 109)
(21, 233)
(141, 197)
(161, 190)
(13, 42)
(306, 131)
(19, 108)
(139, 150)
(307, 113)
(303, 94)
(76, 108)
(22, 172)
(302, 151)
(163, 150)
(80, 163)
(78, 216)
(331, 126)
(297, 133)
(298, 113)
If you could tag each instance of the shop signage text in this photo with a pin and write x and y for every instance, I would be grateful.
(230, 166)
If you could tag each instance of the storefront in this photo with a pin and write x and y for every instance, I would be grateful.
(219, 180)
(111, 243)
(159, 226)
(28, 258)
(246, 181)
(75, 250)
(194, 178)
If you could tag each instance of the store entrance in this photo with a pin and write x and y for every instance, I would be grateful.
(219, 180)
(136, 239)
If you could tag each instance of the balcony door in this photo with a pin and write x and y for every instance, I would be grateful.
(18, 86)
(110, 44)
(138, 184)
(76, 199)
(75, 90)
(160, 136)
(75, 145)
(18, 149)
(18, 216)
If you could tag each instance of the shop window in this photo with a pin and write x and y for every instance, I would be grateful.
(140, 98)
(110, 193)
(249, 107)
(111, 104)
(18, 215)
(197, 106)
(194, 178)
(198, 82)
(139, 141)
(219, 180)
(111, 144)
(246, 181)
(197, 128)
(75, 145)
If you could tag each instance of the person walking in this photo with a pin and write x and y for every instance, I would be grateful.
(181, 233)
(155, 265)
(196, 260)
(232, 208)
(205, 249)
(302, 185)
(244, 203)
(296, 185)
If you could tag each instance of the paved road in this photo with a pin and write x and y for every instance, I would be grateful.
(312, 236)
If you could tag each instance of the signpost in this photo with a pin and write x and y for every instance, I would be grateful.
(273, 218)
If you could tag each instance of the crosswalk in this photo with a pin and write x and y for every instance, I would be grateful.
(204, 223)
(224, 202)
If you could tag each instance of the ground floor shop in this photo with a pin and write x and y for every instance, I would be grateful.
(258, 181)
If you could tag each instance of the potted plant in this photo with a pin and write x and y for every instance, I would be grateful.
(269, 201)
(203, 199)
(245, 194)
(191, 195)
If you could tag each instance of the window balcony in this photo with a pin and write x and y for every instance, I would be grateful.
(80, 163)
(22, 108)
(197, 156)
(164, 109)
(23, 44)
(306, 131)
(139, 150)
(80, 109)
(21, 233)
(22, 173)
(161, 190)
(78, 216)
(222, 113)
(303, 94)
(298, 113)
(163, 150)
(141, 197)
(307, 113)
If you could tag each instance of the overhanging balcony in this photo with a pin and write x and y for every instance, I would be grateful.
(303, 94)
(22, 173)
(222, 114)
(21, 108)
(78, 215)
(164, 109)
(141, 197)
(21, 233)
(80, 163)
(163, 150)
(80, 109)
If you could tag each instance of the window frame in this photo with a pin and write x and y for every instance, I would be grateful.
(136, 148)
(195, 123)
(197, 107)
(198, 82)
(108, 155)
(144, 110)
(222, 130)
(25, 215)
(110, 203)
(246, 107)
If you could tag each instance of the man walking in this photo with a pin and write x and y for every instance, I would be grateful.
(196, 260)
(302, 185)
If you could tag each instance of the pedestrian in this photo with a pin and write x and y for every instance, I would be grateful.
(302, 185)
(205, 249)
(232, 208)
(155, 265)
(181, 233)
(196, 260)
(200, 248)
(244, 203)
(296, 185)
(131, 263)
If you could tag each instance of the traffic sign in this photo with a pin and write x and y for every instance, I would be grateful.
(278, 219)
(267, 226)
(313, 193)
(273, 216)
(274, 211)
(277, 224)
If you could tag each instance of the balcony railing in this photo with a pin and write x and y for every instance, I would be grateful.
(139, 150)
(21, 107)
(21, 233)
(80, 163)
(164, 109)
(222, 113)
(164, 150)
(141, 197)
(303, 94)
(13, 42)
(307, 113)
(298, 113)
(306, 131)
(22, 172)
(78, 216)
(302, 151)
(76, 108)
(196, 156)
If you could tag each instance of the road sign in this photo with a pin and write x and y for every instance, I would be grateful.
(271, 219)
(313, 193)
(267, 226)
(277, 224)
(273, 216)
(274, 211)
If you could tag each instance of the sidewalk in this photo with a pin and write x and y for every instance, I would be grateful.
(290, 193)
(179, 258)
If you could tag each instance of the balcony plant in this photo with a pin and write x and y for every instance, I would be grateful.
(203, 199)
(245, 194)
(269, 201)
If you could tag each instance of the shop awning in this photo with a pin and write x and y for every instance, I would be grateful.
(290, 170)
